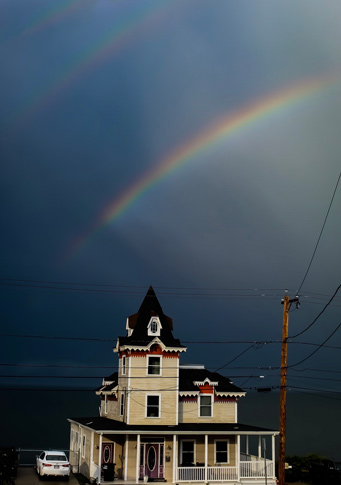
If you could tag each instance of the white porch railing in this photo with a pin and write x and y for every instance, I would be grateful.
(191, 474)
(254, 469)
(213, 474)
(221, 473)
(248, 469)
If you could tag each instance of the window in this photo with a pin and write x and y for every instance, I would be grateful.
(153, 406)
(122, 405)
(205, 406)
(221, 451)
(83, 447)
(154, 365)
(58, 457)
(123, 365)
(187, 453)
(153, 326)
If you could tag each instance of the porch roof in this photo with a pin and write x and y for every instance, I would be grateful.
(110, 426)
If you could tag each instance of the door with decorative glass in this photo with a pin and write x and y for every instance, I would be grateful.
(152, 460)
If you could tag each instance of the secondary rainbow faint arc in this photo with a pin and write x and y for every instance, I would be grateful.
(100, 51)
(52, 14)
(224, 128)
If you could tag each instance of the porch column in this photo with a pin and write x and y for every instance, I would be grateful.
(138, 451)
(92, 452)
(247, 444)
(273, 456)
(238, 458)
(259, 446)
(206, 456)
(100, 459)
(126, 458)
(175, 454)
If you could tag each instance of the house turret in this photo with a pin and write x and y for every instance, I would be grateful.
(148, 367)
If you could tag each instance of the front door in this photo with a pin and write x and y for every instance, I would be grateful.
(152, 460)
(107, 459)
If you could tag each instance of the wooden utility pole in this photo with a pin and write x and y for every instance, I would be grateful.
(283, 397)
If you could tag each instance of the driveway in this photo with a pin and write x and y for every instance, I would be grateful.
(28, 476)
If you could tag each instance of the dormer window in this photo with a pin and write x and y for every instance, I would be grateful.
(205, 406)
(154, 327)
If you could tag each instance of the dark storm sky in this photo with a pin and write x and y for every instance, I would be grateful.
(95, 94)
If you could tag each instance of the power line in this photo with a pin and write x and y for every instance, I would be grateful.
(315, 394)
(59, 366)
(316, 350)
(237, 357)
(318, 316)
(334, 391)
(200, 288)
(318, 240)
(182, 295)
(336, 347)
(315, 378)
(129, 290)
(52, 337)
(44, 389)
(198, 342)
(317, 370)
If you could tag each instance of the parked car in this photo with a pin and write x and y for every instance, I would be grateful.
(53, 463)
(8, 464)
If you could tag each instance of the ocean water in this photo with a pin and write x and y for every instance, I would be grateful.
(38, 419)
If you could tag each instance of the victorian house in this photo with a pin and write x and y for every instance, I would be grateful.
(160, 420)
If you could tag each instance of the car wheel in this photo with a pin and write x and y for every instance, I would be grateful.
(67, 478)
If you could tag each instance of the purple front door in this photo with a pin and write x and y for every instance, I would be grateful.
(152, 460)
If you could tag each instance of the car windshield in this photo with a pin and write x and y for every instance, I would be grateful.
(56, 458)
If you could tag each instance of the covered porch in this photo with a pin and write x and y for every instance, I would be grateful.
(186, 453)
(197, 457)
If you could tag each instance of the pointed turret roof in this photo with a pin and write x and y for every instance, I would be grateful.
(137, 324)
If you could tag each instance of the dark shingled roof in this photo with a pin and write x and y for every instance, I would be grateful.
(112, 378)
(188, 376)
(104, 424)
(139, 321)
(109, 387)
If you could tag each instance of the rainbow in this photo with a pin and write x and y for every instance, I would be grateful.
(51, 15)
(140, 20)
(201, 143)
